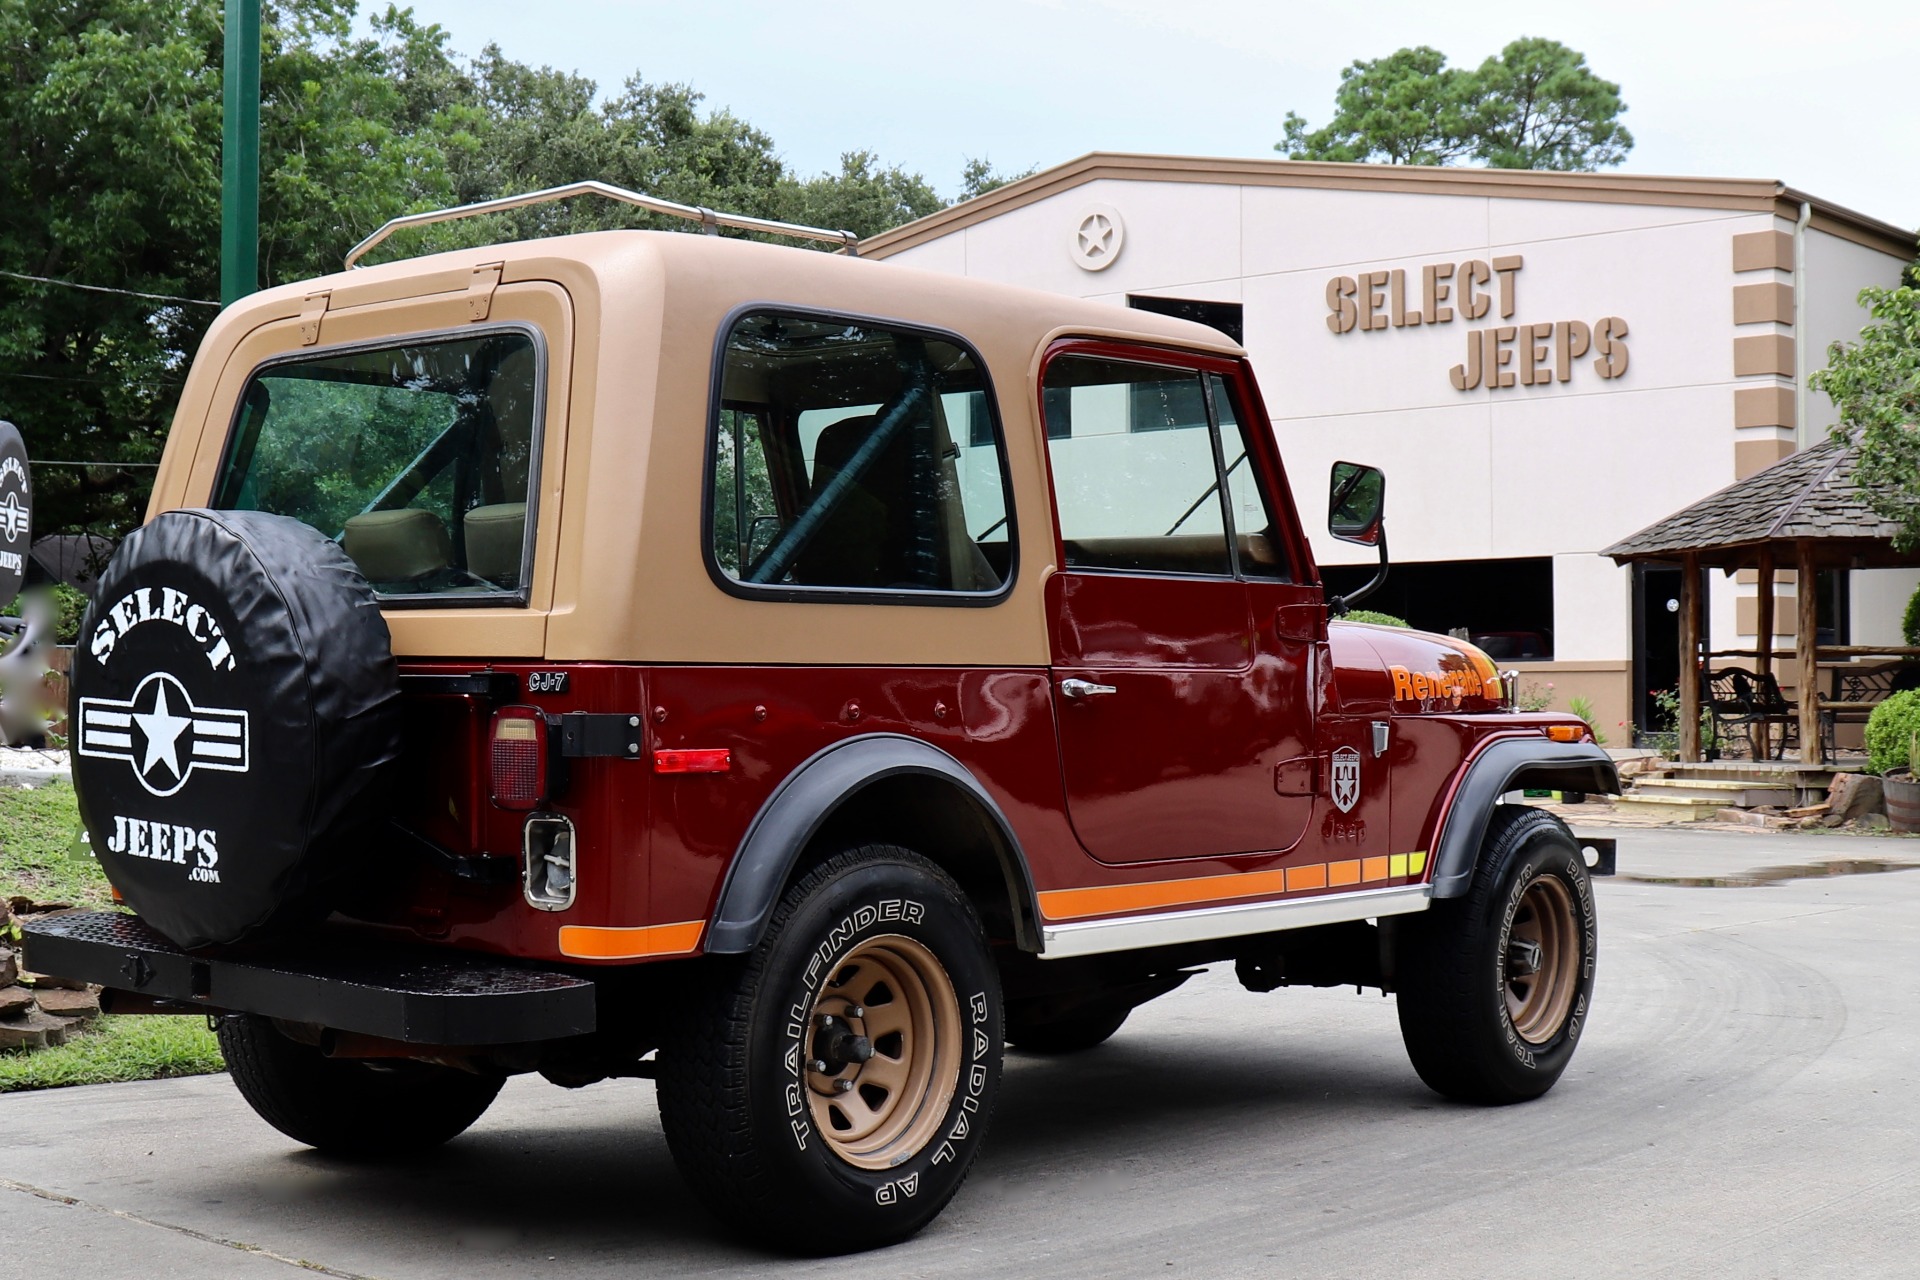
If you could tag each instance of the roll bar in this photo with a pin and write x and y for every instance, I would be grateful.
(711, 220)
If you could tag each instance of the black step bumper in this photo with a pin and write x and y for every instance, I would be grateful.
(349, 983)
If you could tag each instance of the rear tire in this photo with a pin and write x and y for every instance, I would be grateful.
(1495, 986)
(828, 1092)
(349, 1108)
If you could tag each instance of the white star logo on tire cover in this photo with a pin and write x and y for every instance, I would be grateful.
(175, 737)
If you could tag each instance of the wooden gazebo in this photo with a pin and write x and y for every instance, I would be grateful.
(1804, 512)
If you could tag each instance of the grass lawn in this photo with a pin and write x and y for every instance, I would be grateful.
(36, 831)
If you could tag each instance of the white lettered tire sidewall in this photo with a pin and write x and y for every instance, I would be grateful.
(871, 901)
(1541, 856)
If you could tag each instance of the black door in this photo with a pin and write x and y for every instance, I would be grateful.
(1656, 639)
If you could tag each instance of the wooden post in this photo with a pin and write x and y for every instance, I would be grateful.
(1763, 732)
(1690, 611)
(1806, 594)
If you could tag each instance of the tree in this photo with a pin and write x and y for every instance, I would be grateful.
(110, 173)
(1875, 383)
(1535, 106)
(979, 177)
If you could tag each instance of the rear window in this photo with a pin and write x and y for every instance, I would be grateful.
(417, 457)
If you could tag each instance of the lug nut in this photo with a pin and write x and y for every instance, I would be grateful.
(817, 1064)
(843, 1086)
(856, 1012)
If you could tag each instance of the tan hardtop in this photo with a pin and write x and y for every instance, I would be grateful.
(631, 319)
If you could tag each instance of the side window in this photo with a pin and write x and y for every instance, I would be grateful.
(416, 457)
(850, 456)
(1262, 554)
(1135, 478)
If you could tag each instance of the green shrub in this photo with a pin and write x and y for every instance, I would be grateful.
(1890, 732)
(1910, 622)
(1377, 619)
(1583, 707)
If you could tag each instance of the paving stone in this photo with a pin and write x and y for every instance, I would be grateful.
(15, 1002)
(9, 967)
(48, 983)
(69, 1004)
(35, 1031)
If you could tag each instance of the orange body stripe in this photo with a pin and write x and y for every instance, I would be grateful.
(594, 942)
(1104, 900)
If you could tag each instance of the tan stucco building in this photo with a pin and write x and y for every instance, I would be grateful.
(1543, 363)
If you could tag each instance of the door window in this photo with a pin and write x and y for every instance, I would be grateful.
(1137, 464)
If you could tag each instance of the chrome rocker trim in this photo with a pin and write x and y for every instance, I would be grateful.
(1093, 937)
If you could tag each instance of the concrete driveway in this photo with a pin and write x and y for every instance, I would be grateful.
(1745, 1104)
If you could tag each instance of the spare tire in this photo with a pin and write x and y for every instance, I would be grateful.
(236, 720)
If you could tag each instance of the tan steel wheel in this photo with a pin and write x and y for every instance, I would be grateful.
(886, 1044)
(1543, 960)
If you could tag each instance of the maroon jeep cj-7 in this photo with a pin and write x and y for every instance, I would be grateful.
(788, 677)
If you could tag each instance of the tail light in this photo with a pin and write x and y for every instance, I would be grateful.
(518, 755)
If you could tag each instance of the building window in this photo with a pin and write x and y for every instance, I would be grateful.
(1503, 606)
(1224, 316)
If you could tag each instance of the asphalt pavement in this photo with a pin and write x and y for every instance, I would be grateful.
(1744, 1104)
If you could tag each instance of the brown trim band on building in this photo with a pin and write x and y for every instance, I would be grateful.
(1755, 455)
(1745, 195)
(1763, 407)
(1763, 251)
(1763, 353)
(1767, 303)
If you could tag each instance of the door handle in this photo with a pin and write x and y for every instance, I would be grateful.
(1076, 688)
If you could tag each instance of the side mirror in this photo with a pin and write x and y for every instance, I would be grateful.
(1356, 502)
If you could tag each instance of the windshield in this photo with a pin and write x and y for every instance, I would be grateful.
(415, 457)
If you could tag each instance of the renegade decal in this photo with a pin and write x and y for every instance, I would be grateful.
(174, 737)
(1452, 686)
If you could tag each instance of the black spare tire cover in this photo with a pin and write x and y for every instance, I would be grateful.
(235, 720)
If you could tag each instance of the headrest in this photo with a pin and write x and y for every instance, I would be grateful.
(403, 545)
(495, 536)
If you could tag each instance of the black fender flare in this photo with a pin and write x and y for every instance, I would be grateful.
(801, 805)
(1506, 765)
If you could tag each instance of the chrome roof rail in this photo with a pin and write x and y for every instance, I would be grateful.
(710, 219)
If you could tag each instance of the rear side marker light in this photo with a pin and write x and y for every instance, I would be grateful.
(699, 760)
(1567, 732)
(517, 757)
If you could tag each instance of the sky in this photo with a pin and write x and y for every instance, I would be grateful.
(1818, 94)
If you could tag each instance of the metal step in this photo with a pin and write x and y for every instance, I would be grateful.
(349, 982)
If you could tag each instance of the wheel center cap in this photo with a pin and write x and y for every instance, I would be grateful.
(837, 1043)
(1523, 958)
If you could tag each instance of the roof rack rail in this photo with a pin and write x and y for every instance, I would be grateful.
(711, 220)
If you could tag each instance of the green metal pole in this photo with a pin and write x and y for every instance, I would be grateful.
(240, 154)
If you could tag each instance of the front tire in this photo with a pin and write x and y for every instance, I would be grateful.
(1495, 986)
(348, 1108)
(830, 1090)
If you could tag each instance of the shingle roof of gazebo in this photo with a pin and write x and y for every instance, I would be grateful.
(1809, 495)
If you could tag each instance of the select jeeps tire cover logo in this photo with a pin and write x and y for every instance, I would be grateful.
(163, 735)
(16, 512)
(235, 711)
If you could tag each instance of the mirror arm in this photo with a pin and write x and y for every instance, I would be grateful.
(1338, 605)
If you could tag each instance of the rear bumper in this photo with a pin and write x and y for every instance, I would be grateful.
(348, 984)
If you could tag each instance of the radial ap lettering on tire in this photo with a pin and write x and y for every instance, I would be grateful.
(235, 716)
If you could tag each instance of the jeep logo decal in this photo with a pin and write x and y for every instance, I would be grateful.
(1346, 779)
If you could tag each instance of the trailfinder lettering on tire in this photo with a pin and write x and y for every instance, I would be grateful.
(864, 1035)
(236, 714)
